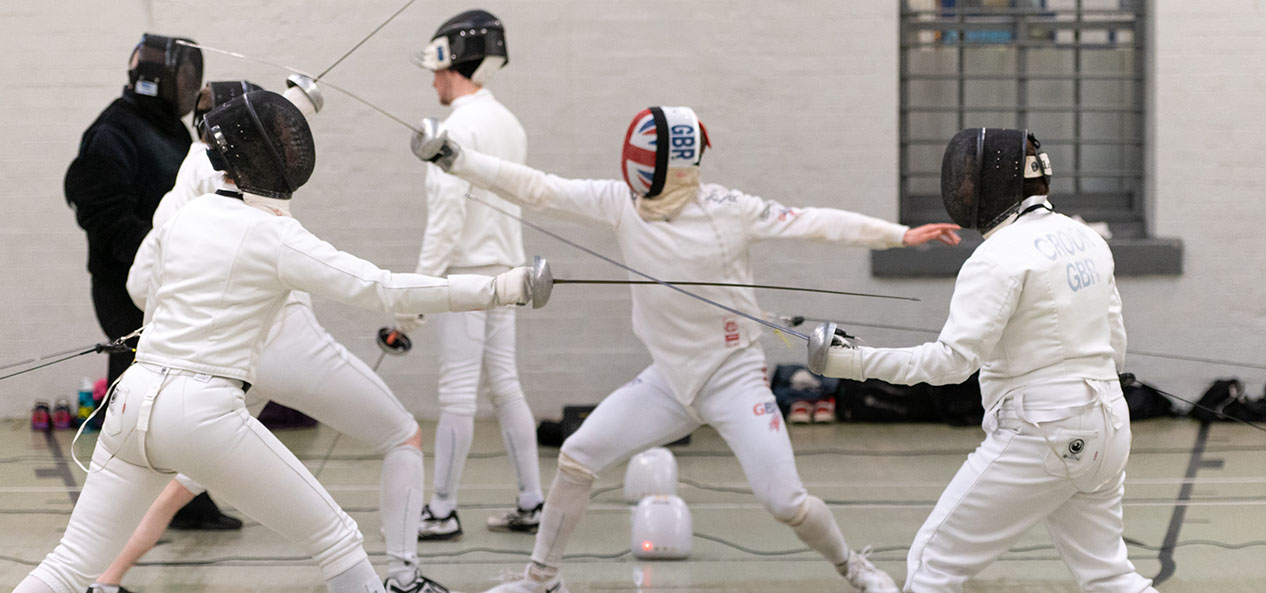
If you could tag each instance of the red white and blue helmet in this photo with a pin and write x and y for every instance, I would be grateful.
(659, 139)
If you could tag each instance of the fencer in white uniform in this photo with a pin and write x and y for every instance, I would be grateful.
(303, 367)
(225, 265)
(464, 237)
(708, 367)
(1036, 310)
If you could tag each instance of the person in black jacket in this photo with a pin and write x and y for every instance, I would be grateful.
(127, 160)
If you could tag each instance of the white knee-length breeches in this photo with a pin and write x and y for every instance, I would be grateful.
(475, 343)
(1068, 473)
(303, 367)
(197, 425)
(736, 401)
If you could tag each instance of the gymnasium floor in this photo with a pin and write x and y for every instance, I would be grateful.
(1195, 515)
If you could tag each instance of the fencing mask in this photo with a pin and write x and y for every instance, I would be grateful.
(983, 173)
(472, 43)
(217, 93)
(660, 160)
(263, 142)
(166, 70)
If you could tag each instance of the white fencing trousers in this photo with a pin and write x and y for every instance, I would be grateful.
(199, 426)
(475, 345)
(303, 367)
(736, 401)
(1069, 473)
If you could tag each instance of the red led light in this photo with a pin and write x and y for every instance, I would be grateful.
(647, 546)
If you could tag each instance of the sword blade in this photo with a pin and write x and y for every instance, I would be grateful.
(739, 285)
(653, 279)
(362, 41)
(353, 96)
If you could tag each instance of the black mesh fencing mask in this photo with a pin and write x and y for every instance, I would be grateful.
(473, 43)
(163, 68)
(982, 176)
(263, 141)
(217, 93)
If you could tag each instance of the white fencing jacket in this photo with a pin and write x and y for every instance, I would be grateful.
(461, 234)
(707, 241)
(220, 270)
(1036, 302)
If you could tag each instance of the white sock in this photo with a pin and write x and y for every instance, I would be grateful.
(518, 432)
(817, 528)
(357, 579)
(400, 506)
(566, 504)
(453, 435)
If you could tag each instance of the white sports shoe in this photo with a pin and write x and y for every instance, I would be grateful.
(525, 585)
(420, 584)
(865, 576)
(521, 520)
(432, 528)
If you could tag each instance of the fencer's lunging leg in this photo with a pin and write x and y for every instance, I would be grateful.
(357, 579)
(568, 498)
(401, 506)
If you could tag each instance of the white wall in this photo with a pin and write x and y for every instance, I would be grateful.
(801, 104)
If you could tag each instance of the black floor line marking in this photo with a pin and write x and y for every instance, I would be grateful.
(60, 470)
(1194, 463)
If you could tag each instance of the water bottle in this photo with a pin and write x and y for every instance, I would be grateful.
(86, 405)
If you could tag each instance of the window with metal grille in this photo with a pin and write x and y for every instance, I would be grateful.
(1071, 71)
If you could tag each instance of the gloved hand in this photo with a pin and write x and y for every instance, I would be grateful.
(434, 146)
(407, 322)
(513, 287)
(833, 354)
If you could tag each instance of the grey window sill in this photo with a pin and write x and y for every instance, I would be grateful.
(1134, 257)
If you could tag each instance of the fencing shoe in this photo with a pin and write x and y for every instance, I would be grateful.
(865, 576)
(439, 529)
(519, 520)
(523, 584)
(420, 584)
(99, 588)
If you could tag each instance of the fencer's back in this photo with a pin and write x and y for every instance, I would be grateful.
(1068, 308)
(218, 287)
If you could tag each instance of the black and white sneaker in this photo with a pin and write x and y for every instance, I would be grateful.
(439, 529)
(517, 520)
(420, 584)
(99, 588)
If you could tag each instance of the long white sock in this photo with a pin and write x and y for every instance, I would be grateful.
(816, 527)
(400, 506)
(518, 432)
(568, 498)
(357, 579)
(453, 435)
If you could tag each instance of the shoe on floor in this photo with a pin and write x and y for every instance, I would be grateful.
(220, 522)
(518, 520)
(824, 411)
(865, 576)
(523, 584)
(439, 529)
(420, 584)
(801, 413)
(99, 588)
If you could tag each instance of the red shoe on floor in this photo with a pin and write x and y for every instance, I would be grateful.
(824, 411)
(40, 419)
(801, 413)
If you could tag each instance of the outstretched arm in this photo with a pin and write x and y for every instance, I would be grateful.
(599, 200)
(984, 299)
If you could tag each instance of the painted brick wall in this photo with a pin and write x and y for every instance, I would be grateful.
(800, 101)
